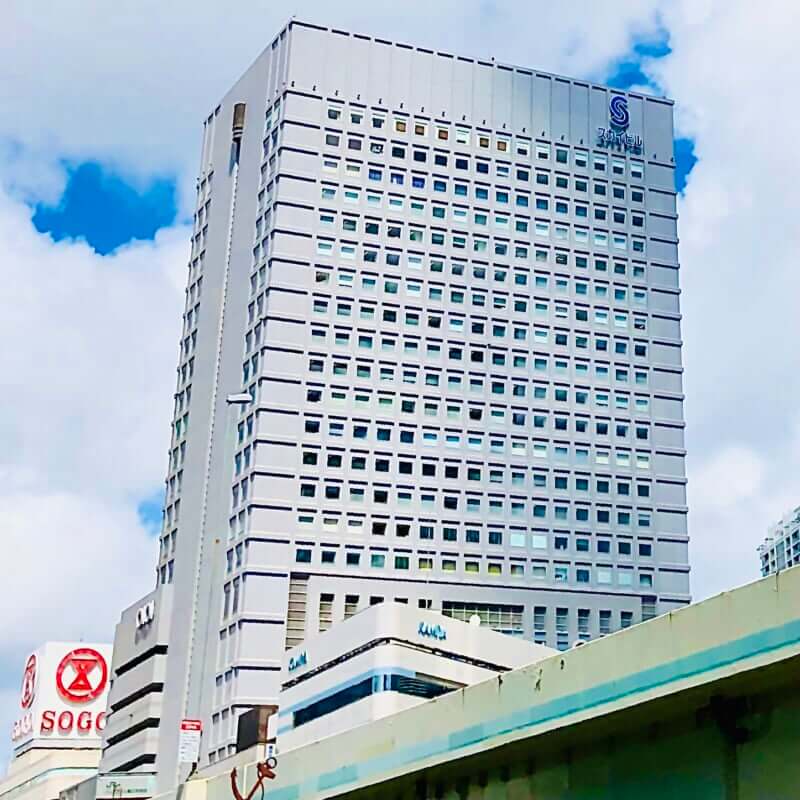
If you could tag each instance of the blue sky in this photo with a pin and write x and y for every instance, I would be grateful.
(628, 71)
(106, 210)
(149, 511)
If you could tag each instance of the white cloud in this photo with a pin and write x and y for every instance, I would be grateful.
(733, 71)
(732, 475)
(734, 495)
(87, 361)
(29, 175)
(9, 708)
(74, 561)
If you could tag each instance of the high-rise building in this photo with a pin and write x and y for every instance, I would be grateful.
(431, 354)
(781, 548)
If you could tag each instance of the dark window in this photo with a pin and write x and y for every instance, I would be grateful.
(364, 688)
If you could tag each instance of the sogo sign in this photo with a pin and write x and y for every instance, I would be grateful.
(63, 693)
(68, 722)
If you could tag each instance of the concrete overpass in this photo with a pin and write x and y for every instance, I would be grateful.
(700, 703)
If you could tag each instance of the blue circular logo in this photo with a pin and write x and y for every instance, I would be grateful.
(618, 110)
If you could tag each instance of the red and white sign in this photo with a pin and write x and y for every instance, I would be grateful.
(82, 675)
(189, 741)
(63, 695)
(68, 721)
(28, 689)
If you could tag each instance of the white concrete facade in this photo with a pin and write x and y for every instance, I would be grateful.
(138, 670)
(455, 309)
(44, 774)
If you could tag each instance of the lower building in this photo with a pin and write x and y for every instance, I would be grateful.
(62, 713)
(781, 548)
(385, 659)
(137, 686)
(40, 775)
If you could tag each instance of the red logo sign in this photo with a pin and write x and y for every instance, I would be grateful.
(28, 683)
(82, 675)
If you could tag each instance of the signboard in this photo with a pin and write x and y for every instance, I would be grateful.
(189, 741)
(28, 690)
(431, 631)
(82, 675)
(300, 660)
(618, 113)
(63, 695)
(619, 140)
(125, 784)
(616, 135)
(145, 614)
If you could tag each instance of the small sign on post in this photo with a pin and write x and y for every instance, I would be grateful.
(189, 741)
